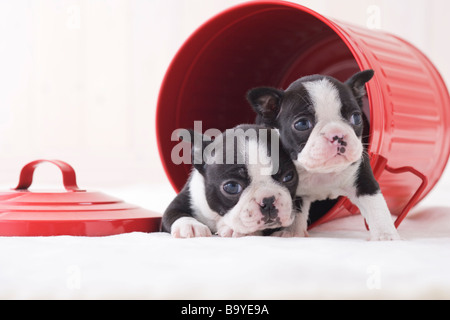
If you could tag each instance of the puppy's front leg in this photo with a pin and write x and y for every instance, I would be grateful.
(179, 221)
(376, 212)
(368, 198)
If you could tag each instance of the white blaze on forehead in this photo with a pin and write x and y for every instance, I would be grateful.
(319, 155)
(325, 98)
(259, 164)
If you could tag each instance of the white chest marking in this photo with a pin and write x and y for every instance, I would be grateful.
(322, 186)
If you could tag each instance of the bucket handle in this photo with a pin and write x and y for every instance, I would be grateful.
(68, 174)
(382, 165)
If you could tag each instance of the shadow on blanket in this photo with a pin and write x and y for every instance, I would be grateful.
(428, 222)
(422, 222)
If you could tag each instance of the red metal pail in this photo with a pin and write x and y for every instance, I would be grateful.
(272, 43)
(73, 212)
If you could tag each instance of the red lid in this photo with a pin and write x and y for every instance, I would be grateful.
(73, 212)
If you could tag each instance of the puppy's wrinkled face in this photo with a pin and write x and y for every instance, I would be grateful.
(247, 195)
(320, 119)
(329, 126)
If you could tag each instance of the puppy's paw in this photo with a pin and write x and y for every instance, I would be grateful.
(385, 236)
(290, 233)
(298, 229)
(226, 232)
(189, 228)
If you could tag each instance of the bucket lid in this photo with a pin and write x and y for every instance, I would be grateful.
(71, 212)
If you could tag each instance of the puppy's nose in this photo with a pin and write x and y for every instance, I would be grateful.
(339, 141)
(337, 138)
(268, 208)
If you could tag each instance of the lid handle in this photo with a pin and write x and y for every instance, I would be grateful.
(68, 174)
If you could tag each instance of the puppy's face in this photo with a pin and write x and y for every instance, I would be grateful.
(246, 193)
(320, 119)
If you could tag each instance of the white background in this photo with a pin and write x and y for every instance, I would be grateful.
(79, 80)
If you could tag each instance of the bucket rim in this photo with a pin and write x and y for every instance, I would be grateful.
(362, 63)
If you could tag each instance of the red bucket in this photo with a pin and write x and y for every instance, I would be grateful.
(272, 43)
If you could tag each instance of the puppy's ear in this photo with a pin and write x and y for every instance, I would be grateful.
(266, 102)
(198, 142)
(357, 83)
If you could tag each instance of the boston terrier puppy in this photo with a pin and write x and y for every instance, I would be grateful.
(320, 121)
(242, 183)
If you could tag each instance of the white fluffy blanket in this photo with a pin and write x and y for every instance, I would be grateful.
(336, 261)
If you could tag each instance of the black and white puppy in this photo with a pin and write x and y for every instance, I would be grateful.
(320, 121)
(243, 184)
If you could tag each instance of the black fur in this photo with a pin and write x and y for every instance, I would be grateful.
(177, 209)
(365, 183)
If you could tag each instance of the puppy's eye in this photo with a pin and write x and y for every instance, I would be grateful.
(232, 187)
(288, 177)
(303, 124)
(356, 119)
